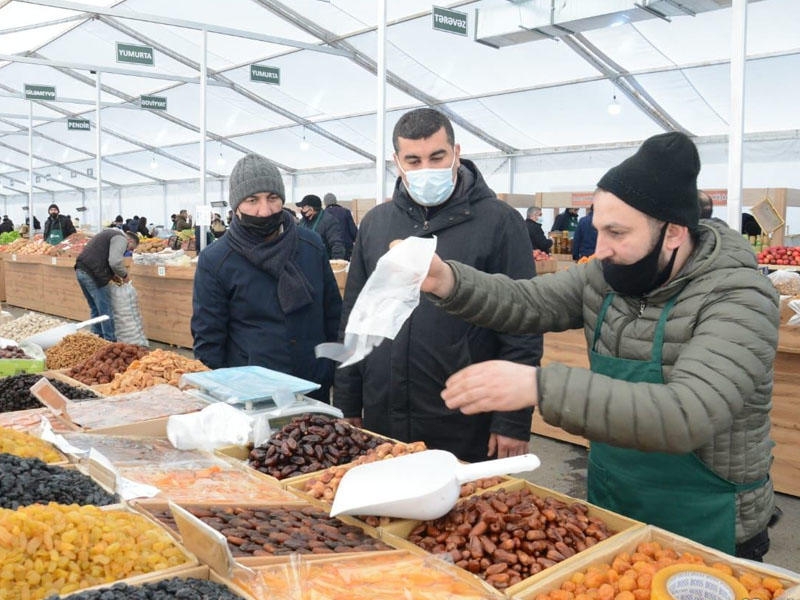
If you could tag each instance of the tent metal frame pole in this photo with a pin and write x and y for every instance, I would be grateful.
(380, 108)
(183, 23)
(98, 132)
(203, 119)
(736, 130)
(31, 220)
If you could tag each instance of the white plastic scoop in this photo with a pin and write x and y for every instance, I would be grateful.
(50, 337)
(424, 485)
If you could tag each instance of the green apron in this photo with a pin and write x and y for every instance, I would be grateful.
(56, 235)
(677, 492)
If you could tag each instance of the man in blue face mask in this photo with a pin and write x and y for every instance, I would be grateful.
(396, 389)
(264, 293)
(681, 330)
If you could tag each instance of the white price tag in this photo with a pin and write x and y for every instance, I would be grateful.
(162, 270)
(53, 260)
(14, 257)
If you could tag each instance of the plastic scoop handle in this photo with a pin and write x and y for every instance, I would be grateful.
(499, 466)
(99, 319)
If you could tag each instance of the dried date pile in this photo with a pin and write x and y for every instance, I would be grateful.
(507, 536)
(26, 481)
(311, 443)
(12, 352)
(275, 531)
(174, 588)
(15, 392)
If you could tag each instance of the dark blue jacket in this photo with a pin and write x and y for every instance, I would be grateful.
(585, 238)
(237, 320)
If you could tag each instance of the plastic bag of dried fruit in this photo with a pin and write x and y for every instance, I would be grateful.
(786, 282)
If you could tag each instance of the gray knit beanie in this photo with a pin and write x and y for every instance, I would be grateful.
(329, 199)
(253, 174)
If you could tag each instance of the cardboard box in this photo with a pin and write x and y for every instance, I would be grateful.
(397, 533)
(552, 578)
(546, 266)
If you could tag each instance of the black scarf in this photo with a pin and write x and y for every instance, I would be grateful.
(276, 258)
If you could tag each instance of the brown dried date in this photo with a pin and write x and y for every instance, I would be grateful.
(518, 534)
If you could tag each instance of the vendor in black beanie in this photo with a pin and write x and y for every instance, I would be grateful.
(681, 330)
(264, 293)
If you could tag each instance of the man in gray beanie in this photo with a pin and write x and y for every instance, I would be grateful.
(681, 329)
(264, 293)
(346, 222)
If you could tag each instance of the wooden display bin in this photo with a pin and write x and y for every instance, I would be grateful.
(165, 301)
(628, 542)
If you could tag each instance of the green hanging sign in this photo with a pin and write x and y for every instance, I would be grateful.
(79, 124)
(153, 102)
(40, 92)
(448, 20)
(265, 74)
(138, 55)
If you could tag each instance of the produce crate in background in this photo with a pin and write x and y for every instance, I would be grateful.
(549, 265)
(551, 579)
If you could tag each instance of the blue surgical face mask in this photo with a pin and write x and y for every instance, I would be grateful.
(430, 187)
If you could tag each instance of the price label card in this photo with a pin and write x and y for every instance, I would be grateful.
(53, 260)
(14, 257)
(162, 271)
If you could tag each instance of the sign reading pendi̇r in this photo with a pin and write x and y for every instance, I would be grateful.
(153, 102)
(265, 74)
(448, 20)
(40, 92)
(79, 124)
(131, 53)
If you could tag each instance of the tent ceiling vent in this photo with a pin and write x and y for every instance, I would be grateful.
(521, 21)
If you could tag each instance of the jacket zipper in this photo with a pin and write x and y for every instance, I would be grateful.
(642, 306)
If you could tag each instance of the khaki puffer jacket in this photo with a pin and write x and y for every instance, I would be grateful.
(718, 355)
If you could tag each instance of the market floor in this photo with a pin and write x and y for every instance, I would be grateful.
(564, 470)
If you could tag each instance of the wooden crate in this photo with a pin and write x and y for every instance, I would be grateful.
(396, 534)
(627, 542)
(785, 419)
(165, 301)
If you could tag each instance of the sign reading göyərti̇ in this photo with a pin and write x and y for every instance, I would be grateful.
(40, 92)
(265, 74)
(138, 55)
(79, 124)
(153, 102)
(450, 21)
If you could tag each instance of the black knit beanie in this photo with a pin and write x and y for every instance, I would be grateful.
(254, 174)
(660, 180)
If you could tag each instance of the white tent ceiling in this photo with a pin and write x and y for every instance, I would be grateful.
(533, 99)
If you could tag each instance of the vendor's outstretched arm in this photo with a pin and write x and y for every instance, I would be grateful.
(493, 385)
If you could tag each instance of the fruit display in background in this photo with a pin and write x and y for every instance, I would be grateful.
(540, 255)
(779, 255)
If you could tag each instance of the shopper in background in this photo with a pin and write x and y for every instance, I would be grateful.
(749, 225)
(118, 222)
(395, 391)
(100, 261)
(142, 228)
(264, 293)
(706, 204)
(324, 224)
(585, 238)
(182, 221)
(682, 330)
(217, 226)
(566, 221)
(539, 240)
(346, 222)
(7, 225)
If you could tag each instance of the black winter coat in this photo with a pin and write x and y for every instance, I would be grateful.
(64, 223)
(237, 320)
(398, 385)
(327, 227)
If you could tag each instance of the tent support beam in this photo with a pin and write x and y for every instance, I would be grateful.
(90, 10)
(224, 81)
(367, 63)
